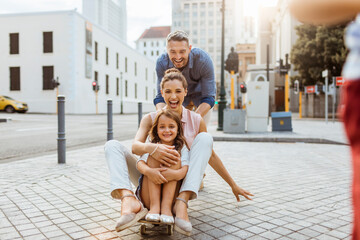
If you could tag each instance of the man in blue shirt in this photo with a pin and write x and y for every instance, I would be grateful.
(196, 66)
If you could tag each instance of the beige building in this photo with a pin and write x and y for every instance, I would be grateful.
(247, 55)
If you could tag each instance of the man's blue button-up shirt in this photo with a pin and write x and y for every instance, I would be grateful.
(199, 73)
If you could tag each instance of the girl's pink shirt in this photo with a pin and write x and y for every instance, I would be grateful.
(190, 123)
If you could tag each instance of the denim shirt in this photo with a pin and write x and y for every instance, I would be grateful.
(351, 70)
(199, 74)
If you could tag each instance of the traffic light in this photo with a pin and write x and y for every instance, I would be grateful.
(296, 86)
(242, 88)
(95, 86)
(54, 83)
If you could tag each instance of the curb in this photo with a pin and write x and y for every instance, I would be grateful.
(5, 119)
(279, 140)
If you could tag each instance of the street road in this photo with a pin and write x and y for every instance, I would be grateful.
(30, 135)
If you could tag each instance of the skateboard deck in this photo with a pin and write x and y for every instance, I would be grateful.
(148, 227)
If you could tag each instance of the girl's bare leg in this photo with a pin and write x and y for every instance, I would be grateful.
(154, 189)
(168, 193)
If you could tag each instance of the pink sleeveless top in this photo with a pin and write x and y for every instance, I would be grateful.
(190, 123)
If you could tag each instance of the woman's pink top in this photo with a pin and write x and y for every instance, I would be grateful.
(190, 123)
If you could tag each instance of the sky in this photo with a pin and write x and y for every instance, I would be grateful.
(141, 13)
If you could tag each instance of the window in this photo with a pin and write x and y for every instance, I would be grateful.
(152, 44)
(96, 76)
(146, 74)
(117, 60)
(135, 90)
(157, 53)
(107, 83)
(107, 56)
(125, 64)
(152, 53)
(194, 5)
(135, 68)
(96, 51)
(126, 88)
(146, 93)
(48, 42)
(157, 43)
(186, 6)
(117, 86)
(14, 78)
(202, 5)
(144, 44)
(48, 76)
(145, 53)
(194, 14)
(14, 43)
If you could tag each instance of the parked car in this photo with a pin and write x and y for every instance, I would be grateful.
(10, 105)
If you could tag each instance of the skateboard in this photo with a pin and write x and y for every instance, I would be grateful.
(148, 227)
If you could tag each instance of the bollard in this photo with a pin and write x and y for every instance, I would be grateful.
(61, 141)
(139, 113)
(110, 135)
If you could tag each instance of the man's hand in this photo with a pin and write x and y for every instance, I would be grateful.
(154, 175)
(166, 155)
(239, 191)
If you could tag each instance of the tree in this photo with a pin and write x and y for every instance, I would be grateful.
(318, 48)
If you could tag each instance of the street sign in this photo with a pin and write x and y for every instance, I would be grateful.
(340, 81)
(325, 73)
(310, 89)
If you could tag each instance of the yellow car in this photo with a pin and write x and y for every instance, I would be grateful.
(10, 105)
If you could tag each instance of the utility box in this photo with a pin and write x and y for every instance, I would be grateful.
(281, 121)
(234, 121)
(257, 102)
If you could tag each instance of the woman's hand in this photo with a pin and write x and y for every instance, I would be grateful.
(239, 191)
(155, 175)
(166, 155)
(170, 174)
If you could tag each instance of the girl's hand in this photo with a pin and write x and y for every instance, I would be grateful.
(169, 174)
(166, 155)
(239, 191)
(154, 175)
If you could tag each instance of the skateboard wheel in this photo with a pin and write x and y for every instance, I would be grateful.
(170, 230)
(143, 229)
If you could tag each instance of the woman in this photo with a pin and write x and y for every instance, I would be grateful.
(174, 90)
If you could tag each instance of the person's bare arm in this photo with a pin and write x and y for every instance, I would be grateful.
(165, 154)
(203, 109)
(324, 11)
(160, 106)
(219, 167)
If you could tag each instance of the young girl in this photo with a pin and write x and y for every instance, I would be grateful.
(166, 129)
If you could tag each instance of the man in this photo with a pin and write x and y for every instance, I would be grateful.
(333, 12)
(197, 67)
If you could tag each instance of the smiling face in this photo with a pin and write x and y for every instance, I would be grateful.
(167, 130)
(178, 52)
(174, 93)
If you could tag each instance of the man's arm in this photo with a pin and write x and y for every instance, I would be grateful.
(208, 86)
(160, 71)
(324, 11)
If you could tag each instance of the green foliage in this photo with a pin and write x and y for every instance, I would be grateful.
(318, 48)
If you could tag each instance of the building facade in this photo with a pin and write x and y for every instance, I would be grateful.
(152, 43)
(109, 14)
(65, 46)
(202, 20)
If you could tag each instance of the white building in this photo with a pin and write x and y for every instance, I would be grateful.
(202, 19)
(66, 46)
(152, 43)
(109, 14)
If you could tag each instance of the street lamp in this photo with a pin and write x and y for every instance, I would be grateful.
(222, 101)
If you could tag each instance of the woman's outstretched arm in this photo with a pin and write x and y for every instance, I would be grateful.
(324, 11)
(216, 163)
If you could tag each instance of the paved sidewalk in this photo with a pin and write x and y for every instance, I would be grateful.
(301, 192)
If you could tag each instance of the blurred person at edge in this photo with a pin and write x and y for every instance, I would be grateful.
(330, 12)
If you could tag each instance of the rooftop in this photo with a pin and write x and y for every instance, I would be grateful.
(156, 32)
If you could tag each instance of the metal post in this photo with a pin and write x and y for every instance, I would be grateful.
(110, 135)
(232, 91)
(326, 98)
(334, 98)
(139, 113)
(267, 63)
(222, 101)
(121, 91)
(286, 92)
(61, 141)
(300, 104)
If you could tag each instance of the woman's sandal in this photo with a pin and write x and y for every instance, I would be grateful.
(128, 220)
(181, 225)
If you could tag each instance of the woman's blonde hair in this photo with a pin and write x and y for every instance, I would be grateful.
(173, 74)
(179, 140)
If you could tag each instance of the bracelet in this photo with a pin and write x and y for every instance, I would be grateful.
(154, 150)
